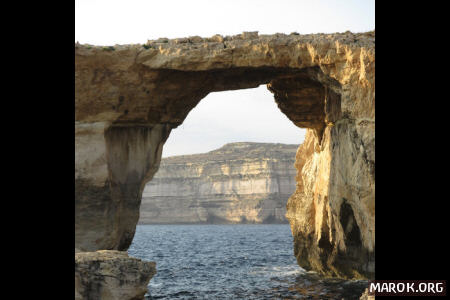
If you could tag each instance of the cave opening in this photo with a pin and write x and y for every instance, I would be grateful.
(352, 234)
(349, 225)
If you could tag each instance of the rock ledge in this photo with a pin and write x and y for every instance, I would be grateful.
(111, 275)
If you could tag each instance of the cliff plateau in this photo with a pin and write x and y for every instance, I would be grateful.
(238, 183)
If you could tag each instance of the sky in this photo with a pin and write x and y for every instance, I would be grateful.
(249, 115)
(220, 118)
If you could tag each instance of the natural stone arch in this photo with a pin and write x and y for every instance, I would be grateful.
(129, 98)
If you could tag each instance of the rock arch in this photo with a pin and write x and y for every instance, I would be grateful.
(128, 99)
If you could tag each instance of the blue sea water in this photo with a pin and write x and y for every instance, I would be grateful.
(231, 262)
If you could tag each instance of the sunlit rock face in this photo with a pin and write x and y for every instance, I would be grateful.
(238, 183)
(128, 98)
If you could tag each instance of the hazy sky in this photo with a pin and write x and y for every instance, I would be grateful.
(109, 22)
(245, 115)
(232, 116)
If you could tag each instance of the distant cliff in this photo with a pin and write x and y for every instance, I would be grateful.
(238, 183)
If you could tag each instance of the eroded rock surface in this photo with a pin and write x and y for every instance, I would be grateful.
(128, 98)
(111, 275)
(238, 183)
(366, 296)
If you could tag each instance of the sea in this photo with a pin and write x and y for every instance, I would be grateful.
(231, 262)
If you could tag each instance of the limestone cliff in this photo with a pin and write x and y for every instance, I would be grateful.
(128, 99)
(238, 183)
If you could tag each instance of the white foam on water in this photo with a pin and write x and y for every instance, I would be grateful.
(278, 271)
(152, 284)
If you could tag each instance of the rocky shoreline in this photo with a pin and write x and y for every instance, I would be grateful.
(128, 99)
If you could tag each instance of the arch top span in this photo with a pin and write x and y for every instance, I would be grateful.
(128, 98)
(140, 83)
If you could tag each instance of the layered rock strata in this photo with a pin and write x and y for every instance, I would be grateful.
(128, 98)
(238, 183)
(111, 275)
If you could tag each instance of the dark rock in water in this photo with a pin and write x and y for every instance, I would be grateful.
(111, 275)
